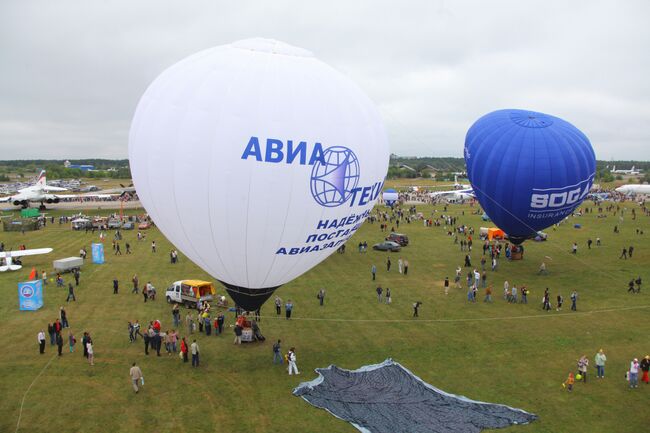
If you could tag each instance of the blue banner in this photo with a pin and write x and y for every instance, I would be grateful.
(30, 295)
(98, 254)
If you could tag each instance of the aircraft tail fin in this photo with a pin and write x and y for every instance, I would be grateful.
(41, 179)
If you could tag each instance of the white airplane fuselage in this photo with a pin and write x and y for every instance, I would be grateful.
(634, 189)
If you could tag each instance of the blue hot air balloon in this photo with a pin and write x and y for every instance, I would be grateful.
(529, 170)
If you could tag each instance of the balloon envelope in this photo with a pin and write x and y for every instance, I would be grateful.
(390, 196)
(529, 170)
(257, 161)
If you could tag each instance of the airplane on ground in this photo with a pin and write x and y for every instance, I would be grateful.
(8, 256)
(454, 195)
(631, 171)
(42, 193)
(634, 189)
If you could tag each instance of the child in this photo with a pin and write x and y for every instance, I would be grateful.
(569, 382)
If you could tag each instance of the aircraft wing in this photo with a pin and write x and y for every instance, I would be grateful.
(21, 253)
(48, 188)
(5, 199)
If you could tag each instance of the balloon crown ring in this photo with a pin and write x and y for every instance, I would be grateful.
(531, 119)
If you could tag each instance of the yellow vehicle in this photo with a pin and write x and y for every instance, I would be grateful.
(190, 292)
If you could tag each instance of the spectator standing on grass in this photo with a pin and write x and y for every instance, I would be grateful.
(600, 360)
(373, 271)
(59, 343)
(406, 267)
(70, 293)
(136, 377)
(41, 342)
(184, 349)
(630, 250)
(64, 317)
(379, 291)
(488, 294)
(633, 374)
(321, 296)
(71, 341)
(645, 367)
(416, 307)
(291, 357)
(153, 246)
(277, 354)
(77, 275)
(195, 353)
(388, 264)
(52, 333)
(288, 308)
(116, 286)
(574, 248)
(135, 282)
(278, 305)
(583, 364)
(446, 285)
(574, 300)
(388, 298)
(91, 352)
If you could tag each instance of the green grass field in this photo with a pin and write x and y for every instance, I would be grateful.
(511, 354)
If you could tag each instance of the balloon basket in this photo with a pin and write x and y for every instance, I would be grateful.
(518, 255)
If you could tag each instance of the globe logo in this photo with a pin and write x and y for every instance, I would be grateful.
(27, 291)
(332, 182)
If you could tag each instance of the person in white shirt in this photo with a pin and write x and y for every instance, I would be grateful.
(195, 354)
(41, 342)
(291, 356)
(136, 376)
(91, 353)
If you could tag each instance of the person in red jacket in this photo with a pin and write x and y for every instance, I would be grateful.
(184, 349)
(645, 367)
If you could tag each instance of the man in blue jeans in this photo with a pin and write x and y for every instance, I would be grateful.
(195, 354)
(277, 354)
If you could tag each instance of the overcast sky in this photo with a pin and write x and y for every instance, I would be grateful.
(72, 72)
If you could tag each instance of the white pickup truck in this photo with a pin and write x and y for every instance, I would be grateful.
(190, 292)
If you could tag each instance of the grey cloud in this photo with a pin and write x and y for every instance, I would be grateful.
(72, 72)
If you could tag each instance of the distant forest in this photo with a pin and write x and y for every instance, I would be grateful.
(444, 168)
(400, 167)
(119, 168)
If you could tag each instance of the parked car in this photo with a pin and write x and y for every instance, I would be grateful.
(387, 246)
(399, 238)
(128, 226)
(144, 226)
(114, 224)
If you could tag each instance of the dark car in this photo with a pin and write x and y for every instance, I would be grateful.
(387, 246)
(399, 238)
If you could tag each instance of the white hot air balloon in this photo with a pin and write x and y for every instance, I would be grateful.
(257, 161)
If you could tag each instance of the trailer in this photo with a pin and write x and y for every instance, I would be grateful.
(68, 264)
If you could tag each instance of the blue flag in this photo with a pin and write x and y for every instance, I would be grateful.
(98, 254)
(30, 295)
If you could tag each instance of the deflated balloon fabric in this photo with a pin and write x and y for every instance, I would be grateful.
(388, 398)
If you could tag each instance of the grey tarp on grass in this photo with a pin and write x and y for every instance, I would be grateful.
(388, 398)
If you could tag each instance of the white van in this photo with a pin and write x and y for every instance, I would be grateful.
(190, 292)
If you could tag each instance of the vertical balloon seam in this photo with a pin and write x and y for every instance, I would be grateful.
(304, 220)
(496, 157)
(147, 172)
(290, 195)
(224, 270)
(196, 89)
(323, 209)
(495, 203)
(520, 144)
